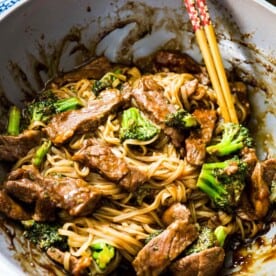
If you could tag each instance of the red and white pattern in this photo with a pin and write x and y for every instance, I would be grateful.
(203, 12)
(198, 13)
(193, 14)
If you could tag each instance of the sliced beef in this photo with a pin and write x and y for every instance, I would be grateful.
(72, 195)
(176, 62)
(196, 142)
(12, 209)
(92, 70)
(249, 156)
(160, 251)
(204, 263)
(176, 211)
(149, 97)
(13, 148)
(259, 192)
(269, 170)
(100, 157)
(64, 125)
(48, 193)
(77, 266)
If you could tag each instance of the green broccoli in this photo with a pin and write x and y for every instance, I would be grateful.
(67, 104)
(207, 238)
(110, 79)
(41, 153)
(102, 253)
(48, 104)
(234, 137)
(135, 126)
(223, 182)
(45, 235)
(181, 119)
(14, 121)
(42, 108)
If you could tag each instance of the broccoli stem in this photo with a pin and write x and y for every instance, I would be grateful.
(14, 121)
(41, 153)
(67, 104)
(221, 234)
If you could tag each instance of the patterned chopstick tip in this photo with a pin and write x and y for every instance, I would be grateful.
(193, 14)
(203, 12)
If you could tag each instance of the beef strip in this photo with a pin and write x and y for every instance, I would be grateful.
(160, 251)
(64, 125)
(196, 142)
(48, 193)
(269, 170)
(176, 62)
(149, 97)
(205, 263)
(248, 155)
(92, 70)
(259, 192)
(12, 209)
(13, 148)
(176, 211)
(77, 266)
(100, 157)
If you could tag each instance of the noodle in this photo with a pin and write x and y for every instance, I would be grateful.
(119, 220)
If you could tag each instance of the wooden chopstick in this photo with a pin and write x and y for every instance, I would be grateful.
(207, 42)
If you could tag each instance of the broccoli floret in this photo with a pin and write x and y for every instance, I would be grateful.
(207, 238)
(45, 235)
(234, 137)
(48, 104)
(42, 108)
(181, 119)
(135, 126)
(102, 253)
(110, 79)
(273, 192)
(223, 182)
(41, 153)
(14, 121)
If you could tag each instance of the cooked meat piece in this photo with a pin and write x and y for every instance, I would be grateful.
(160, 251)
(133, 179)
(205, 263)
(249, 156)
(259, 192)
(245, 210)
(207, 119)
(196, 142)
(195, 151)
(13, 148)
(176, 211)
(63, 126)
(73, 195)
(100, 157)
(269, 170)
(93, 70)
(176, 62)
(12, 209)
(148, 95)
(77, 266)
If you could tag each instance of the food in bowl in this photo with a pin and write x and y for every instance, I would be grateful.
(116, 166)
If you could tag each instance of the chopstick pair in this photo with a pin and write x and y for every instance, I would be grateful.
(206, 38)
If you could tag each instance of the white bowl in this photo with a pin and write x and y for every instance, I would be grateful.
(34, 33)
